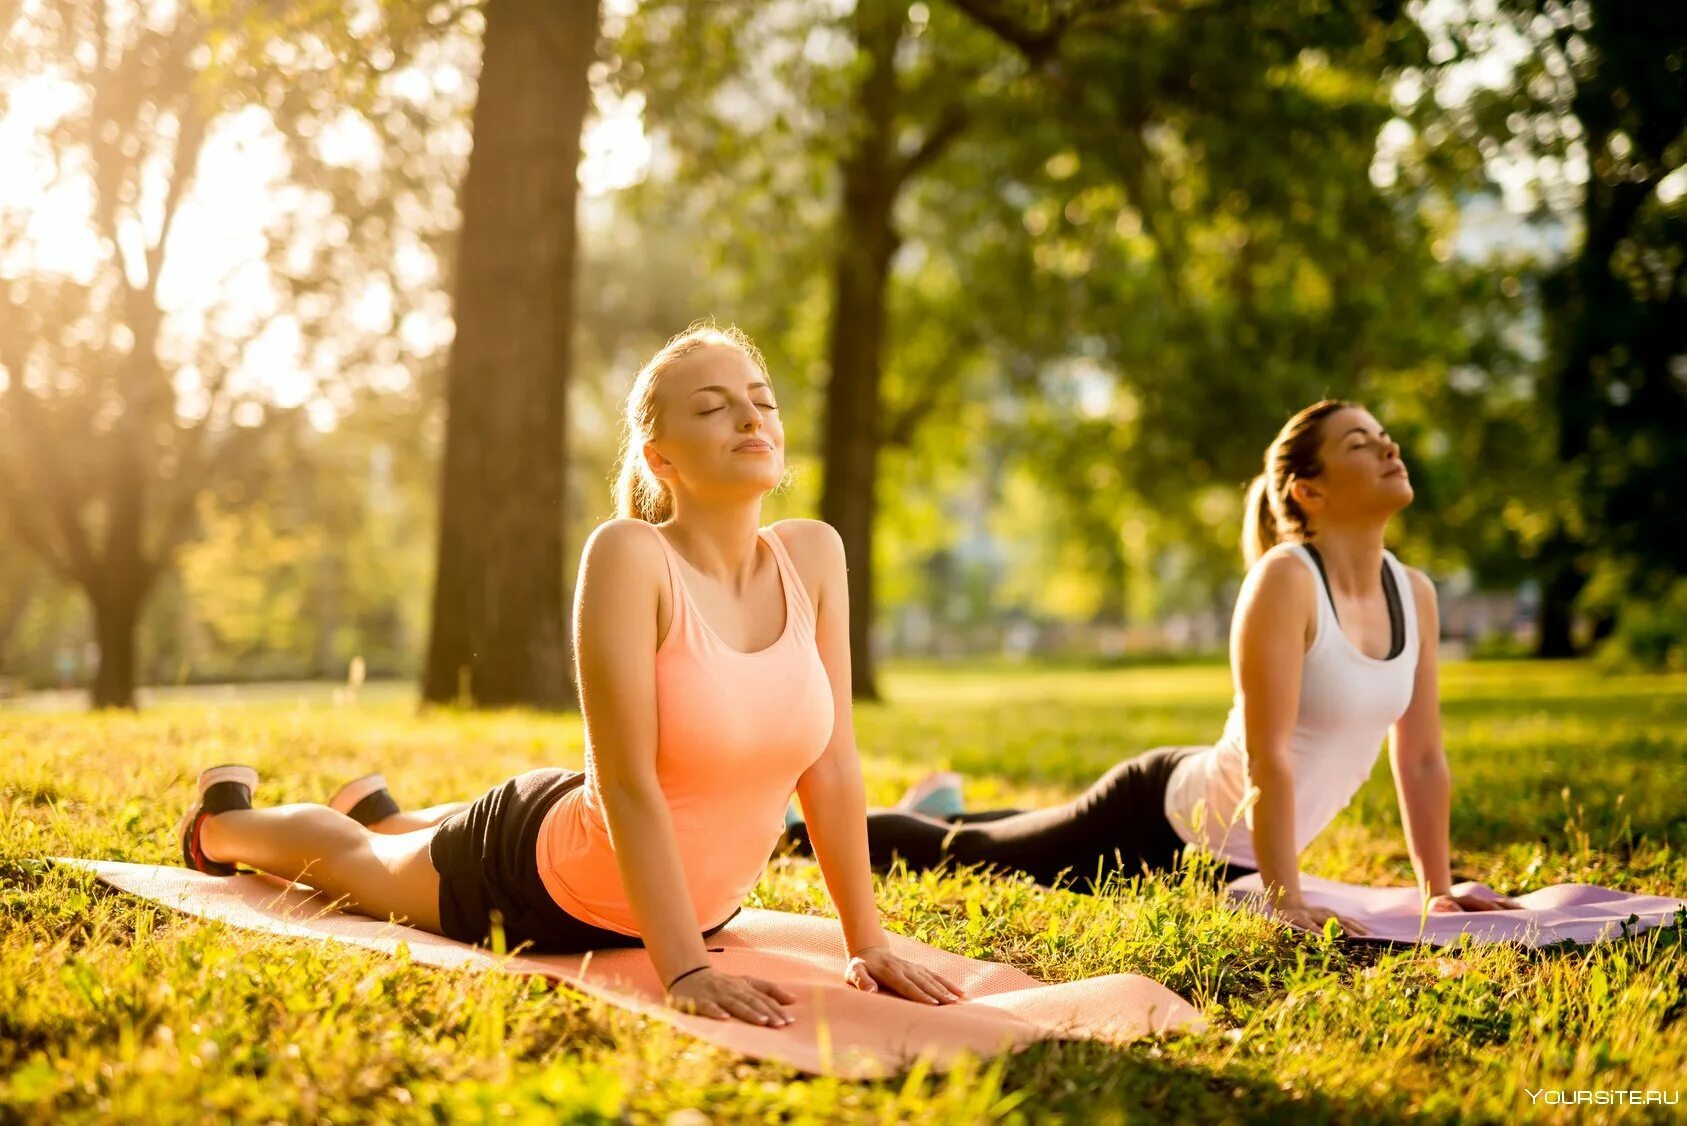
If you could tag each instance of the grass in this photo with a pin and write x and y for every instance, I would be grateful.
(112, 1008)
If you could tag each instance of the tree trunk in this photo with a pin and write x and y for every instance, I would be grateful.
(499, 631)
(1580, 299)
(124, 576)
(1560, 585)
(1563, 576)
(866, 242)
(116, 615)
(13, 614)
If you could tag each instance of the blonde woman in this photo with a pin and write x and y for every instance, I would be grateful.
(714, 675)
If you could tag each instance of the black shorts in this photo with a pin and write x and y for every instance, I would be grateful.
(487, 860)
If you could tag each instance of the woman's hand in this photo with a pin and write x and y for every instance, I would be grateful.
(1447, 903)
(876, 966)
(1313, 918)
(710, 993)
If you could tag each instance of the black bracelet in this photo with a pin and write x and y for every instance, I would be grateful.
(686, 974)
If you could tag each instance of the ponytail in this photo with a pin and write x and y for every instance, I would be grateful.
(1259, 523)
(639, 494)
(1271, 514)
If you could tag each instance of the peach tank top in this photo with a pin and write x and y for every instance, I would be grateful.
(734, 732)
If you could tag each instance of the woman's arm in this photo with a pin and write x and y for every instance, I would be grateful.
(1415, 752)
(833, 800)
(1274, 611)
(1268, 649)
(615, 626)
(1419, 760)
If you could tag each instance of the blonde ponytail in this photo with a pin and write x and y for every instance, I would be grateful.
(638, 493)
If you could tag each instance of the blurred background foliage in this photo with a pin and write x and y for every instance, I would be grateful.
(1038, 282)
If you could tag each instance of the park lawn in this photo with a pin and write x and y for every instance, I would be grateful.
(114, 1008)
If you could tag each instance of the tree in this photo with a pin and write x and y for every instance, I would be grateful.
(873, 171)
(498, 634)
(1170, 202)
(20, 576)
(1595, 116)
(1229, 256)
(119, 409)
(772, 109)
(97, 468)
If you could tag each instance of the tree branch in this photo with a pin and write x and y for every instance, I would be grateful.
(949, 124)
(1125, 152)
(76, 561)
(898, 432)
(198, 464)
(30, 529)
(1038, 46)
(62, 502)
(190, 139)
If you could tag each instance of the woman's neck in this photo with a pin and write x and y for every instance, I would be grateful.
(719, 541)
(1352, 555)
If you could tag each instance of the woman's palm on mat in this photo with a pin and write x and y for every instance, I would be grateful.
(876, 966)
(723, 996)
(1449, 904)
(1313, 918)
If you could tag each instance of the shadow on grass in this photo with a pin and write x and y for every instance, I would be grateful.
(1149, 1082)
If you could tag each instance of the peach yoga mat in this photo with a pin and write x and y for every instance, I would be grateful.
(838, 1030)
(1580, 913)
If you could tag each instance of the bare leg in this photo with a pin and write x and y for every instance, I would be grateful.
(409, 820)
(382, 875)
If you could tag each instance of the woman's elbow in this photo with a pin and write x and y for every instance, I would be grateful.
(1269, 768)
(1433, 767)
(833, 766)
(630, 796)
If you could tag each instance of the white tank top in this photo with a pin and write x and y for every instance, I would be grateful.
(1348, 701)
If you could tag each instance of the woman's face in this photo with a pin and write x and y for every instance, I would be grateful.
(1363, 475)
(718, 427)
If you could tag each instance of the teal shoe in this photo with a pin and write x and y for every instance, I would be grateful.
(936, 795)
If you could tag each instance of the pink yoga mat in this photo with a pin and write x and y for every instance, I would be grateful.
(1581, 913)
(839, 1030)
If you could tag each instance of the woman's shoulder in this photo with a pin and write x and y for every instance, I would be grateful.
(811, 538)
(1422, 588)
(816, 551)
(624, 541)
(1281, 570)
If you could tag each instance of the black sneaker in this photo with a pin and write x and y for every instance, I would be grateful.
(221, 789)
(365, 800)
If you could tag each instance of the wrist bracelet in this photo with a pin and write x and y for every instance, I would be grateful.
(686, 974)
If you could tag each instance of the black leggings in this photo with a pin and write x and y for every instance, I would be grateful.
(1117, 825)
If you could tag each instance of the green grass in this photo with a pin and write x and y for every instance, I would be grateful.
(113, 1008)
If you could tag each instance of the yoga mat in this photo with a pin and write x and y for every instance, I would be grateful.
(1582, 913)
(839, 1030)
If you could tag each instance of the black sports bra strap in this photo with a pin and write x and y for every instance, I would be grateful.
(1390, 593)
(1396, 612)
